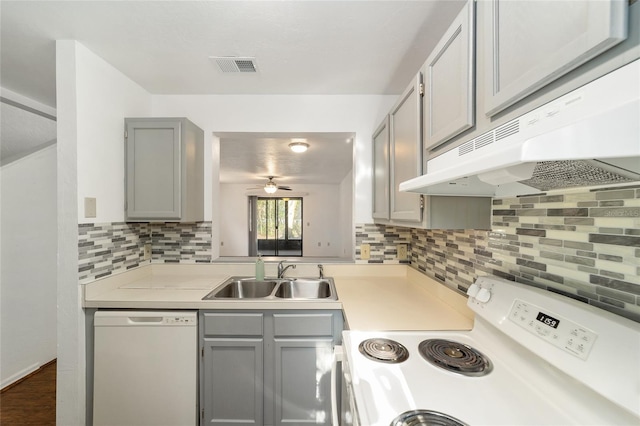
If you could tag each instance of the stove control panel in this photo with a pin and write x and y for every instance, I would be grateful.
(560, 332)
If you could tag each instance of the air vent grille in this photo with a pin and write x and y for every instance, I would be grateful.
(465, 148)
(508, 129)
(232, 64)
(484, 140)
(489, 137)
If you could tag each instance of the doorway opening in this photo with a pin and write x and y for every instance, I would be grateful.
(275, 226)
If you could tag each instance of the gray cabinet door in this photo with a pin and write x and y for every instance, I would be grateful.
(532, 43)
(449, 81)
(406, 152)
(233, 381)
(153, 169)
(380, 177)
(303, 381)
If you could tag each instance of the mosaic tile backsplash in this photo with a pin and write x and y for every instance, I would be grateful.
(104, 248)
(383, 242)
(110, 247)
(582, 244)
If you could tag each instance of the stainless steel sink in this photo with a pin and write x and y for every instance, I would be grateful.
(303, 288)
(246, 288)
(275, 289)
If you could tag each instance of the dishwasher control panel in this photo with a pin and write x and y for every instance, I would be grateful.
(177, 320)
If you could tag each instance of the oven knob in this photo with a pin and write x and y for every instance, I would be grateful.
(473, 290)
(483, 295)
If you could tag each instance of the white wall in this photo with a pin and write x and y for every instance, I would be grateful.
(346, 221)
(234, 213)
(322, 209)
(360, 114)
(106, 97)
(28, 270)
(93, 98)
(321, 220)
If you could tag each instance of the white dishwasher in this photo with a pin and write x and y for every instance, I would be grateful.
(145, 368)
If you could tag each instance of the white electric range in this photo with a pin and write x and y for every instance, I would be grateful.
(532, 358)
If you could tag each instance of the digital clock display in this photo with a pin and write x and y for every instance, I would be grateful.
(546, 319)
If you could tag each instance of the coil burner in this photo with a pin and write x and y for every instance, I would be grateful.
(456, 357)
(425, 418)
(383, 350)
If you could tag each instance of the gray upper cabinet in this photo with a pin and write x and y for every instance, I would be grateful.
(381, 171)
(164, 170)
(449, 81)
(406, 152)
(532, 43)
(397, 156)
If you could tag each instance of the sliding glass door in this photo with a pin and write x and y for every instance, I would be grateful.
(276, 226)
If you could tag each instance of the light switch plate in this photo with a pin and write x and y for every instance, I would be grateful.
(147, 251)
(402, 251)
(365, 251)
(89, 207)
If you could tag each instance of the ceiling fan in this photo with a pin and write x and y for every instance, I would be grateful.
(270, 187)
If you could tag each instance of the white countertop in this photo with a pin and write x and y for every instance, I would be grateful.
(415, 302)
(373, 297)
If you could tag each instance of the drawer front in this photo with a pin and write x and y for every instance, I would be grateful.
(303, 324)
(238, 324)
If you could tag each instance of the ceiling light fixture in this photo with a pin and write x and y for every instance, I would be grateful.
(299, 147)
(270, 187)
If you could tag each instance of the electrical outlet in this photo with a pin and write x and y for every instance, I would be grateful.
(402, 251)
(365, 251)
(147, 251)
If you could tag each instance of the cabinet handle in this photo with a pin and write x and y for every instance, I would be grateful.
(337, 358)
(146, 320)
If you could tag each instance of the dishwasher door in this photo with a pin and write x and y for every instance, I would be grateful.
(145, 369)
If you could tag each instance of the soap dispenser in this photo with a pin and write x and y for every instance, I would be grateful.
(259, 268)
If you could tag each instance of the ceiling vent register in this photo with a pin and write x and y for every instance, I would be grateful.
(234, 64)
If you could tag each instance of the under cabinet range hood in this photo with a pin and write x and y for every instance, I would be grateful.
(588, 137)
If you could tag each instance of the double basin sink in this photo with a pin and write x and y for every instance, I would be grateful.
(275, 288)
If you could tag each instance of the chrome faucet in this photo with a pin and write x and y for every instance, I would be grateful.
(321, 270)
(282, 269)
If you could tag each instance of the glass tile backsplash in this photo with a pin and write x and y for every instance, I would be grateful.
(582, 244)
(105, 248)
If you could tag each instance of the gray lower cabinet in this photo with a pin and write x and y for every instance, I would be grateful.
(164, 164)
(234, 370)
(532, 43)
(267, 367)
(231, 368)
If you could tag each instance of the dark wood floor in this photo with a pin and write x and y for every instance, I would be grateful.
(31, 401)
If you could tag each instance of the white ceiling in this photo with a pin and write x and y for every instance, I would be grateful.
(300, 46)
(252, 157)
